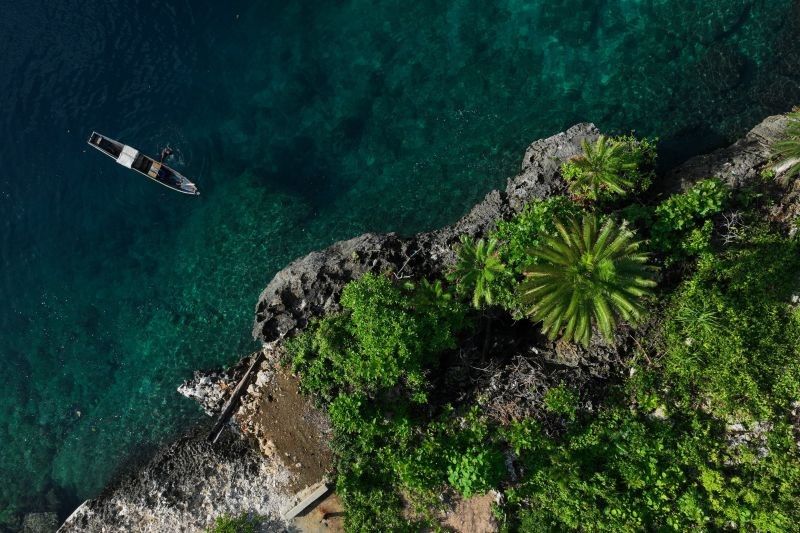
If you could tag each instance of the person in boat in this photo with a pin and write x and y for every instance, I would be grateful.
(165, 153)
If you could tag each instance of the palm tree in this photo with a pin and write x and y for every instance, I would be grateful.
(477, 266)
(604, 165)
(788, 149)
(587, 274)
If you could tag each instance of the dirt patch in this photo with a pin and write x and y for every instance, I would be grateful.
(473, 515)
(287, 426)
(326, 517)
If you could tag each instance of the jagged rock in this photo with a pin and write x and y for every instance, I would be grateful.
(212, 388)
(310, 286)
(186, 486)
(737, 164)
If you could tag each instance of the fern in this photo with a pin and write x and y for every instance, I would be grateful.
(605, 166)
(587, 274)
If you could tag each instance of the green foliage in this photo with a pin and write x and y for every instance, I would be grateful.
(368, 363)
(458, 450)
(628, 472)
(681, 226)
(518, 236)
(243, 523)
(384, 337)
(610, 167)
(562, 401)
(528, 229)
(380, 447)
(478, 268)
(587, 274)
(476, 470)
(366, 433)
(732, 340)
(787, 150)
(654, 454)
(430, 295)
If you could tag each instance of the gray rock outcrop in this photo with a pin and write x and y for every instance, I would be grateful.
(212, 388)
(310, 286)
(186, 487)
(737, 164)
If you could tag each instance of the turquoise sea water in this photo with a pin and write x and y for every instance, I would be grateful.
(302, 123)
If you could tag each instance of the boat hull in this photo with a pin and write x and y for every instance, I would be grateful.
(148, 167)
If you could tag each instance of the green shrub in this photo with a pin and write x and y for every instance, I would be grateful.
(562, 401)
(476, 470)
(243, 523)
(681, 226)
(629, 472)
(610, 167)
(382, 339)
(519, 235)
(528, 229)
(589, 273)
(732, 340)
(461, 451)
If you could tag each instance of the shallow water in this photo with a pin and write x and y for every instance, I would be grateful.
(302, 123)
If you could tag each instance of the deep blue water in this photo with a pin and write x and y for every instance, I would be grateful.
(302, 123)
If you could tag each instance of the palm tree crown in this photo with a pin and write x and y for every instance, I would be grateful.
(587, 274)
(788, 149)
(604, 165)
(477, 266)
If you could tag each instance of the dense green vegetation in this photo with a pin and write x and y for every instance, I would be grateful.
(703, 432)
(610, 167)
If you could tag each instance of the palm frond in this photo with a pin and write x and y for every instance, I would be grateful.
(477, 266)
(584, 275)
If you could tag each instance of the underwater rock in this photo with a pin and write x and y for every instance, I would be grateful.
(40, 523)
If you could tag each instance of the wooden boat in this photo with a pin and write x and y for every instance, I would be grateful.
(131, 158)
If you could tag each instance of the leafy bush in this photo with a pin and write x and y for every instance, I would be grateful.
(383, 338)
(476, 470)
(610, 167)
(518, 236)
(628, 472)
(528, 229)
(235, 524)
(562, 401)
(682, 227)
(587, 274)
(732, 340)
(460, 450)
(477, 270)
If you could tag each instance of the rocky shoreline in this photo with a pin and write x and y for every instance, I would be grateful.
(190, 482)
